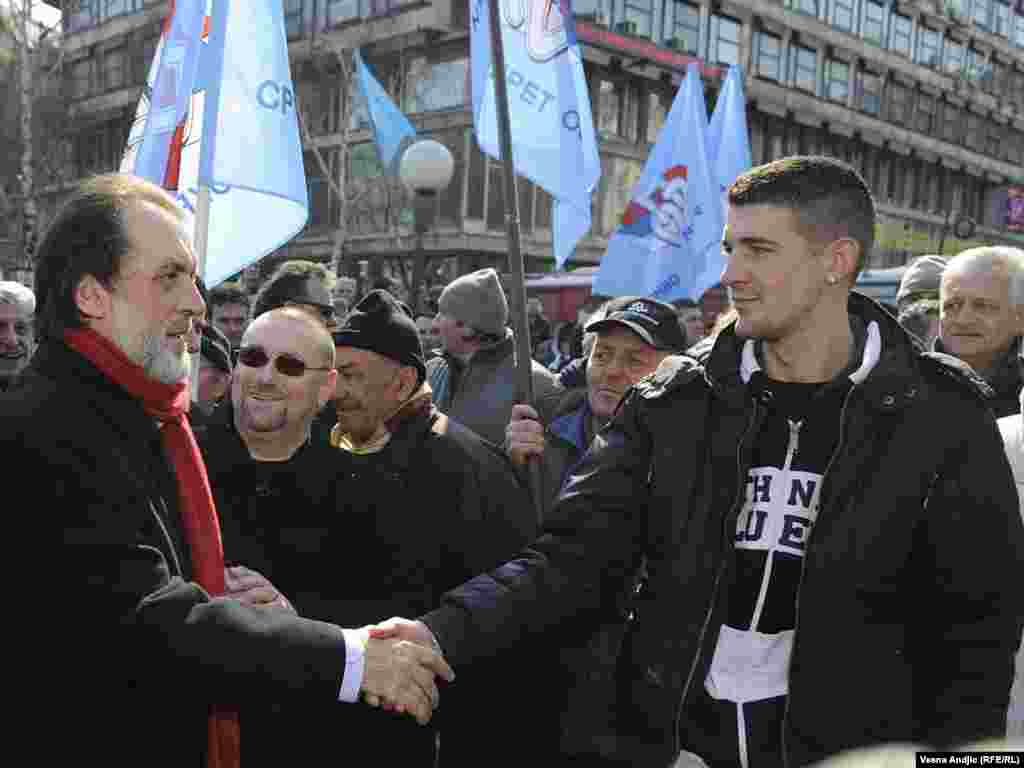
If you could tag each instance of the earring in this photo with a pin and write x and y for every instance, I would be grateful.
(831, 279)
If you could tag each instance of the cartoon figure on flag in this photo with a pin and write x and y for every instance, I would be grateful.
(661, 212)
(545, 26)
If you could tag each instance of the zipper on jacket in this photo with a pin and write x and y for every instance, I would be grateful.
(803, 565)
(733, 512)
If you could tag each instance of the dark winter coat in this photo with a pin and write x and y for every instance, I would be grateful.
(360, 539)
(126, 653)
(909, 610)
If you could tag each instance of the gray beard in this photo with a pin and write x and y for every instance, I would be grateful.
(160, 364)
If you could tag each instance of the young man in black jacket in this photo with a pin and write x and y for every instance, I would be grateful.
(827, 519)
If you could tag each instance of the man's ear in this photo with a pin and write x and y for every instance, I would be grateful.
(92, 298)
(843, 256)
(407, 376)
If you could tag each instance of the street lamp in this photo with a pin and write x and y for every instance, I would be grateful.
(964, 228)
(425, 168)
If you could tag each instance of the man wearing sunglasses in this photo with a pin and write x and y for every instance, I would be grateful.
(142, 657)
(402, 505)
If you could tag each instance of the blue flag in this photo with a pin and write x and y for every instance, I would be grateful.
(251, 154)
(669, 243)
(392, 130)
(553, 142)
(728, 138)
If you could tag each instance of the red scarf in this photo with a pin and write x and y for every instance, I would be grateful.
(169, 403)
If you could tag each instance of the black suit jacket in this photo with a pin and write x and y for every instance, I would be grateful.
(126, 653)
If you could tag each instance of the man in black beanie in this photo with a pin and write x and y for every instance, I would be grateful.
(429, 501)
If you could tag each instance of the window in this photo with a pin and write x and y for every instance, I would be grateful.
(591, 10)
(120, 7)
(608, 99)
(319, 198)
(899, 103)
(874, 22)
(769, 56)
(951, 123)
(638, 14)
(804, 6)
(435, 86)
(339, 11)
(1001, 19)
(684, 32)
(81, 16)
(1018, 27)
(924, 120)
(148, 52)
(837, 80)
(114, 69)
(868, 88)
(974, 134)
(293, 18)
(80, 81)
(928, 47)
(980, 11)
(978, 68)
(656, 112)
(902, 30)
(805, 68)
(842, 15)
(724, 40)
(953, 58)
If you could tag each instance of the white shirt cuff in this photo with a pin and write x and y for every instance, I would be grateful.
(355, 662)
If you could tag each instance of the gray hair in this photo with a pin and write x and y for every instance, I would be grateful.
(989, 258)
(18, 295)
(589, 339)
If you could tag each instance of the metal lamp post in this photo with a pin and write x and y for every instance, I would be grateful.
(425, 168)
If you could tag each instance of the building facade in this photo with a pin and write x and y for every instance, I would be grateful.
(925, 97)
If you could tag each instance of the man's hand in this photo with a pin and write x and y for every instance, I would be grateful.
(401, 629)
(253, 588)
(524, 435)
(401, 673)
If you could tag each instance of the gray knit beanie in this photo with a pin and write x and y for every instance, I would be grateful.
(923, 276)
(478, 301)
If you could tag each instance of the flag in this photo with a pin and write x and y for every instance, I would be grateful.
(251, 154)
(552, 127)
(158, 131)
(236, 129)
(728, 137)
(392, 131)
(669, 243)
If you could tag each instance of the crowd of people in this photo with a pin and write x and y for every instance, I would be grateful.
(288, 523)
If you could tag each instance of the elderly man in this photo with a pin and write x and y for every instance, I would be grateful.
(981, 318)
(634, 335)
(17, 335)
(799, 501)
(157, 658)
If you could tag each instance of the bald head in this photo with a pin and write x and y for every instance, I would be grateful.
(312, 331)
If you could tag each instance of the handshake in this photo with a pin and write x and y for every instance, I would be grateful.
(401, 663)
(401, 658)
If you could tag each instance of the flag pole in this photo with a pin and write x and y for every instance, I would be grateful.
(524, 355)
(201, 237)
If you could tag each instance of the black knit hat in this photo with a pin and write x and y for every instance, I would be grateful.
(215, 347)
(383, 324)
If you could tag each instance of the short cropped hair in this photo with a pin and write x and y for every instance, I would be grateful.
(87, 237)
(287, 282)
(917, 317)
(18, 296)
(227, 293)
(828, 197)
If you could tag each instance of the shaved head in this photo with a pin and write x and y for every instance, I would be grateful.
(323, 343)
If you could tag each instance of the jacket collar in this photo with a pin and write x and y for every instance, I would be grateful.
(1009, 372)
(889, 375)
(570, 421)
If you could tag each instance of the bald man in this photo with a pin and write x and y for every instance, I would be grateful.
(981, 318)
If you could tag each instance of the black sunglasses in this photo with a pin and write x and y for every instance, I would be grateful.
(289, 365)
(326, 310)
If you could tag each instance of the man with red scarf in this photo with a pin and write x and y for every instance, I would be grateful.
(143, 660)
